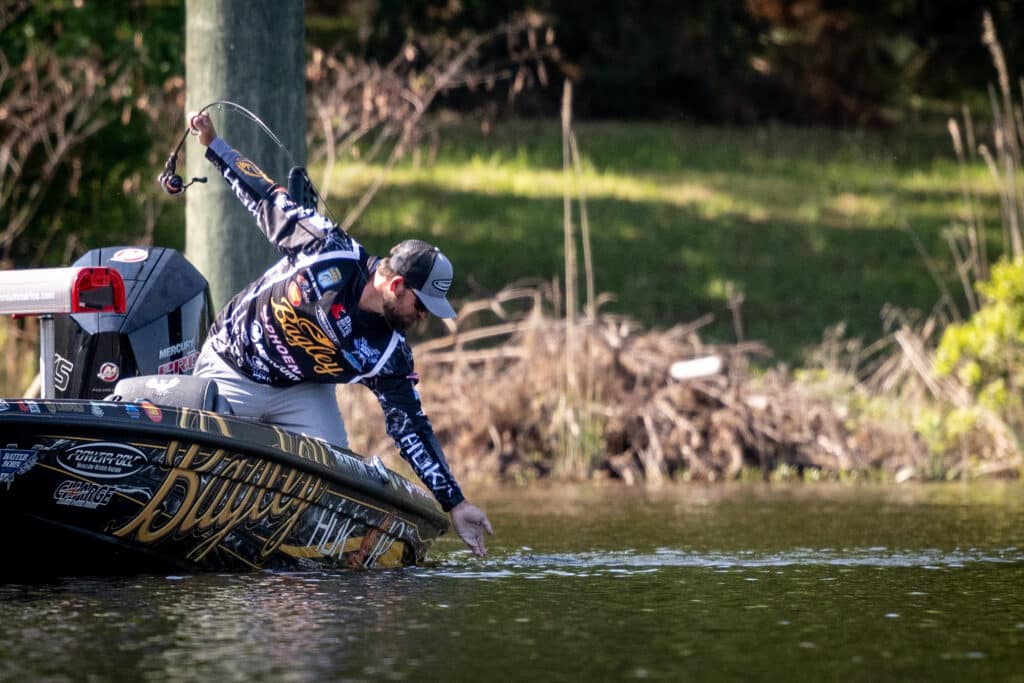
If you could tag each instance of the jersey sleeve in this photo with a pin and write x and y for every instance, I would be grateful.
(411, 430)
(289, 227)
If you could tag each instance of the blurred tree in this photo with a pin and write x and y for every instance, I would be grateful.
(83, 88)
(839, 62)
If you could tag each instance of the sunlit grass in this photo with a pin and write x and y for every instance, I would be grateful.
(809, 225)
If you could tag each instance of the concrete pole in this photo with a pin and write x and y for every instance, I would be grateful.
(250, 52)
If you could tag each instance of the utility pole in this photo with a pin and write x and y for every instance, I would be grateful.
(250, 52)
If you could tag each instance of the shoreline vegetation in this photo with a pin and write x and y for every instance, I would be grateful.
(655, 407)
(577, 394)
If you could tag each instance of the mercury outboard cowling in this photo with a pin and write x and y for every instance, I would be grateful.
(168, 314)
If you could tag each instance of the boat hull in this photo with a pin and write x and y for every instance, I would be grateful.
(105, 487)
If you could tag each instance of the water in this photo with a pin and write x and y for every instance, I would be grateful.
(718, 583)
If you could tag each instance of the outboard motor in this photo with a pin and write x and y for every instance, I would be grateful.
(160, 333)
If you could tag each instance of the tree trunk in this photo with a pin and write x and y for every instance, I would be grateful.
(249, 52)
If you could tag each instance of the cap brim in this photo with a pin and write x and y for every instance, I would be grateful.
(437, 305)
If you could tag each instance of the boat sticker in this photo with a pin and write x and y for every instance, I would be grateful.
(4, 406)
(130, 255)
(29, 407)
(103, 460)
(96, 409)
(15, 461)
(152, 412)
(132, 410)
(331, 533)
(277, 506)
(109, 372)
(83, 494)
(71, 407)
(62, 369)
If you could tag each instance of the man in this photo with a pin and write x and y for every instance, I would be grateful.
(329, 313)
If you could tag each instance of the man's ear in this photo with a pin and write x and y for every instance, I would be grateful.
(393, 284)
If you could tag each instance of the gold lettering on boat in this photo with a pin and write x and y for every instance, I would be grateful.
(234, 490)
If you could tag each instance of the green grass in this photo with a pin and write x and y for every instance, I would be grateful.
(806, 223)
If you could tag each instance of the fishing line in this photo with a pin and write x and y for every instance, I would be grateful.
(173, 184)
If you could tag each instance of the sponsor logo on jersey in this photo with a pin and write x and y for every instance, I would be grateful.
(368, 353)
(327, 278)
(305, 335)
(343, 322)
(294, 294)
(290, 368)
(325, 325)
(353, 360)
(252, 170)
(307, 290)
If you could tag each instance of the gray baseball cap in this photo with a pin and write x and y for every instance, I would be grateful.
(427, 271)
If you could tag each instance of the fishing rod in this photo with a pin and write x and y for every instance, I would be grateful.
(300, 186)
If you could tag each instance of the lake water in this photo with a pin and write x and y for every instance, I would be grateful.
(723, 583)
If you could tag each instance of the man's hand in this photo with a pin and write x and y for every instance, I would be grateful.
(470, 522)
(202, 124)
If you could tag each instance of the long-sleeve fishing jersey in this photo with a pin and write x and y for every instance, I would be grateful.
(301, 322)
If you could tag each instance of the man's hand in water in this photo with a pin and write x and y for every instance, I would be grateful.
(470, 522)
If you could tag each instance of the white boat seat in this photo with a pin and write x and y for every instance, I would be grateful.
(178, 391)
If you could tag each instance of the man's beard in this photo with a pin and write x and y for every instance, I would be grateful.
(398, 322)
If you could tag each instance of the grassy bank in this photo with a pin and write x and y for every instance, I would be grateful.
(810, 226)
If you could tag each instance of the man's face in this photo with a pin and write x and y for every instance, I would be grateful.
(401, 307)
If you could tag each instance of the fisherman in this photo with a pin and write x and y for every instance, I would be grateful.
(329, 313)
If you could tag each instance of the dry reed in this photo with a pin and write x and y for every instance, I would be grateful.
(491, 396)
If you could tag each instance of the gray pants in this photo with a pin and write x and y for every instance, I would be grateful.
(307, 408)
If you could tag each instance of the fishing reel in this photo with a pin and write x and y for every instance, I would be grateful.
(170, 181)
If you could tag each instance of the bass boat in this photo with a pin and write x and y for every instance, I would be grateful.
(127, 463)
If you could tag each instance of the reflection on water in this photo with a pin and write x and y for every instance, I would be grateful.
(729, 583)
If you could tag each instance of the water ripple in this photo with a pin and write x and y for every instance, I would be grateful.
(627, 562)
